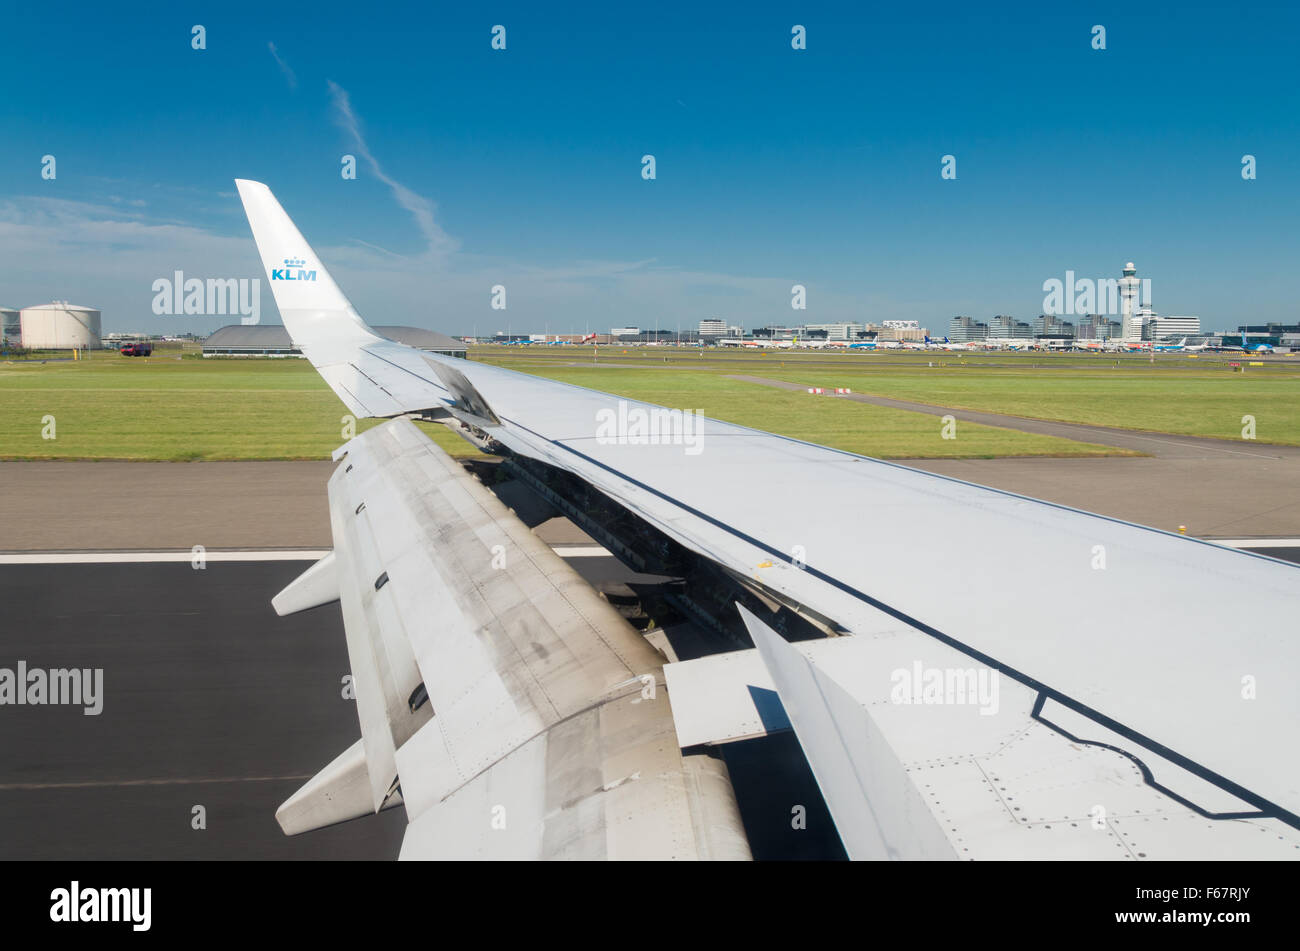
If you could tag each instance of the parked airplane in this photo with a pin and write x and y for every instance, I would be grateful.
(1009, 343)
(944, 344)
(1248, 348)
(514, 714)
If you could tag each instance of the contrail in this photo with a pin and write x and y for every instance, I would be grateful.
(420, 207)
(284, 67)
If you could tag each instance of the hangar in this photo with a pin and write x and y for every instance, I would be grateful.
(272, 340)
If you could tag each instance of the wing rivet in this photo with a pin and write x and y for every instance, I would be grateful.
(381, 581)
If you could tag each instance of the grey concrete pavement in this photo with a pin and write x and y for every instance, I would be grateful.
(52, 506)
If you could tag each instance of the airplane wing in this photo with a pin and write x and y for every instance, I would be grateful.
(1168, 720)
(502, 702)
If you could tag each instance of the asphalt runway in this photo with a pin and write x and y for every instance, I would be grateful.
(212, 700)
(209, 699)
(1279, 552)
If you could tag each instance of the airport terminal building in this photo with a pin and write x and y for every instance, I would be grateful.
(272, 340)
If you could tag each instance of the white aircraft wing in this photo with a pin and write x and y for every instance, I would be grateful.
(1076, 613)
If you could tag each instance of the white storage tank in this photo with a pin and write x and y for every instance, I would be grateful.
(60, 326)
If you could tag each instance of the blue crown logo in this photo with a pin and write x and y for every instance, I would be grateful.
(292, 271)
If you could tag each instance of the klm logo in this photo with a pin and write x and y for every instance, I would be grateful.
(292, 271)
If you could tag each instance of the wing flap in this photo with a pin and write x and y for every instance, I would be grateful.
(339, 792)
(318, 585)
(475, 650)
(878, 811)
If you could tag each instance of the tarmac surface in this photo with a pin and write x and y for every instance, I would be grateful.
(209, 699)
(50, 506)
(212, 701)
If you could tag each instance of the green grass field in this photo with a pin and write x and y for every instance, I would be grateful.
(856, 427)
(1177, 394)
(174, 407)
(1201, 402)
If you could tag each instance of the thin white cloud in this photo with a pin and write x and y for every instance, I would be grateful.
(107, 256)
(421, 208)
(284, 67)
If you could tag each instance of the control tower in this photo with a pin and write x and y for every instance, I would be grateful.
(1129, 288)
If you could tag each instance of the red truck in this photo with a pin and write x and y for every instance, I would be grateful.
(137, 350)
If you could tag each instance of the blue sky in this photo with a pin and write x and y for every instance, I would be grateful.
(522, 167)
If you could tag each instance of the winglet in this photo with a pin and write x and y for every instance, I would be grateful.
(315, 312)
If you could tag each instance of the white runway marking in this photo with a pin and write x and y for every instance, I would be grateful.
(580, 551)
(185, 557)
(315, 554)
(154, 557)
(1257, 542)
(97, 783)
